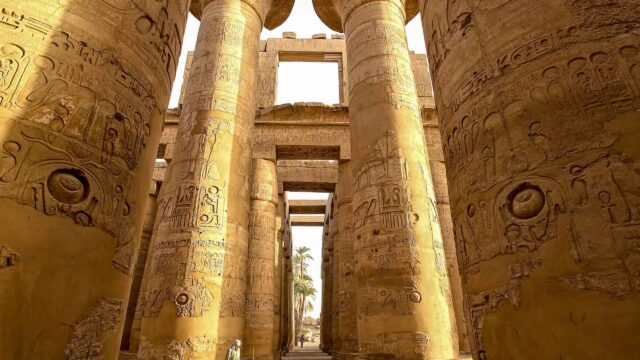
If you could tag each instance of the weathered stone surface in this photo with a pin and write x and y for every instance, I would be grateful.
(261, 297)
(538, 102)
(399, 248)
(83, 90)
(198, 271)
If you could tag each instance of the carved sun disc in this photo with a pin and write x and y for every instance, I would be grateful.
(527, 202)
(68, 186)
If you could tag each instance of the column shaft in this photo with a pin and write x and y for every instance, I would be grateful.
(279, 273)
(334, 234)
(404, 308)
(195, 299)
(348, 306)
(131, 333)
(435, 157)
(83, 91)
(540, 125)
(260, 298)
(327, 290)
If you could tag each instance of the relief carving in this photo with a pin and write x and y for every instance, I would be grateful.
(88, 334)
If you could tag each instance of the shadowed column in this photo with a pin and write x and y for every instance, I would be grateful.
(260, 298)
(538, 102)
(347, 300)
(83, 90)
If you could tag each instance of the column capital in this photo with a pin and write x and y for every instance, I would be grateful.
(272, 13)
(334, 13)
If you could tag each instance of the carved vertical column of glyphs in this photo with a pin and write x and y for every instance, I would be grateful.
(399, 250)
(83, 89)
(435, 156)
(279, 279)
(132, 323)
(196, 293)
(538, 102)
(334, 234)
(327, 289)
(260, 298)
(348, 306)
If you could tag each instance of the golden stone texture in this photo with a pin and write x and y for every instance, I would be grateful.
(83, 90)
(195, 298)
(261, 274)
(538, 102)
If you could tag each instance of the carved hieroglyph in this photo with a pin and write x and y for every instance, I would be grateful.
(538, 102)
(260, 298)
(400, 260)
(198, 268)
(83, 90)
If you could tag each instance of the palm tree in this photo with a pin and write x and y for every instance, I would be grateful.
(303, 286)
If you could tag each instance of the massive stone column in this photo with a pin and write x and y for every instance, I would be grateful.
(195, 298)
(435, 157)
(132, 324)
(291, 310)
(334, 233)
(260, 298)
(539, 107)
(279, 278)
(83, 90)
(347, 299)
(404, 301)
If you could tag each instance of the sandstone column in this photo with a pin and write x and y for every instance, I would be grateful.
(334, 234)
(83, 91)
(132, 322)
(292, 327)
(195, 299)
(539, 107)
(435, 157)
(404, 301)
(279, 278)
(347, 300)
(260, 298)
(327, 291)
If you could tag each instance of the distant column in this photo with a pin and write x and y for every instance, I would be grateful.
(131, 334)
(279, 280)
(260, 299)
(334, 234)
(84, 86)
(348, 305)
(327, 290)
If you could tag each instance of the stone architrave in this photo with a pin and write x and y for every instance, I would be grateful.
(539, 107)
(347, 299)
(404, 300)
(195, 299)
(84, 86)
(260, 299)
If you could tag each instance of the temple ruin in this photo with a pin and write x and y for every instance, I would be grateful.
(485, 197)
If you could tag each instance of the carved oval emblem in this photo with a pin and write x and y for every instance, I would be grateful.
(415, 297)
(68, 186)
(182, 299)
(527, 201)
